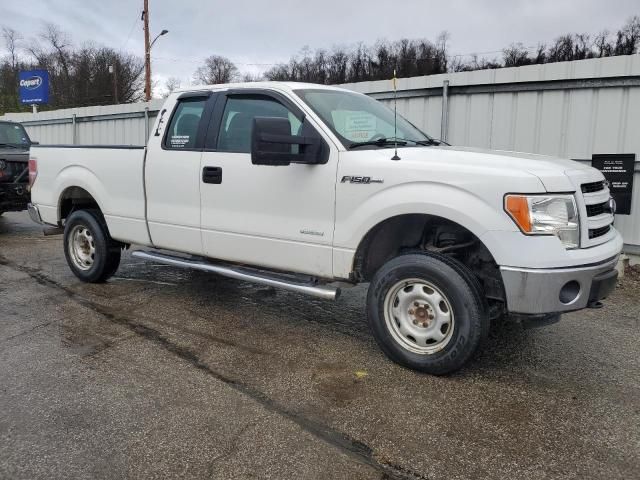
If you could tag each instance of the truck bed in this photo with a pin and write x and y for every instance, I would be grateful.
(112, 173)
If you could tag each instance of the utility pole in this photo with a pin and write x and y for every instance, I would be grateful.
(147, 53)
(113, 70)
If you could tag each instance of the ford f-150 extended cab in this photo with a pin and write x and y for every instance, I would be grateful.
(14, 155)
(299, 186)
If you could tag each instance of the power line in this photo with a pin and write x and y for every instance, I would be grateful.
(130, 32)
(201, 60)
(471, 54)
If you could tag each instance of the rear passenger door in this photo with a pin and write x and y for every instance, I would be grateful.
(172, 175)
(279, 217)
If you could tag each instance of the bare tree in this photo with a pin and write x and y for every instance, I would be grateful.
(249, 77)
(362, 62)
(11, 40)
(216, 69)
(602, 44)
(628, 38)
(171, 84)
(516, 55)
(78, 76)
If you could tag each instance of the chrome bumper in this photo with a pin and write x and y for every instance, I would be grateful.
(538, 291)
(34, 213)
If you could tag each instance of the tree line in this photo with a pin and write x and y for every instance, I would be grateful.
(422, 57)
(99, 75)
(78, 76)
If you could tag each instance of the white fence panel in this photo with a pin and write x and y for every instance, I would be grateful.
(125, 124)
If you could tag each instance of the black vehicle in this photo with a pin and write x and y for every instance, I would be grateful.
(14, 167)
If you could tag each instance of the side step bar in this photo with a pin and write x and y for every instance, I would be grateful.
(243, 273)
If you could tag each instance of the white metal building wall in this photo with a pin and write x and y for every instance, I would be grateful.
(111, 124)
(569, 109)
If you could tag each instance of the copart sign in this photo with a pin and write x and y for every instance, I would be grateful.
(33, 87)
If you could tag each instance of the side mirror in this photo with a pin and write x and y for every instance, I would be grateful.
(273, 144)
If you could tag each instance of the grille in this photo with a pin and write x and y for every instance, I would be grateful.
(597, 209)
(598, 232)
(592, 187)
(12, 170)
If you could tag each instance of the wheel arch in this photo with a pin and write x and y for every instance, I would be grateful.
(73, 198)
(414, 232)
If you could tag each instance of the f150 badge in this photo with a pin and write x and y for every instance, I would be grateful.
(364, 180)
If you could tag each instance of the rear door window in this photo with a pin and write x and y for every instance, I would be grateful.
(185, 122)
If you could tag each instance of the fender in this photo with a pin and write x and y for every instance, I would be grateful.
(82, 177)
(427, 198)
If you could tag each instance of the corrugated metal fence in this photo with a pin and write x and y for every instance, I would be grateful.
(569, 109)
(127, 124)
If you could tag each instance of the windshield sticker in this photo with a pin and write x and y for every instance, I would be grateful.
(360, 126)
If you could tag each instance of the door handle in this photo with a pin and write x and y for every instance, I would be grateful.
(212, 175)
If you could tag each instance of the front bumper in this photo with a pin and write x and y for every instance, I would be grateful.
(550, 290)
(14, 197)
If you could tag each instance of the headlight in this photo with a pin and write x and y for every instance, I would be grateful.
(546, 215)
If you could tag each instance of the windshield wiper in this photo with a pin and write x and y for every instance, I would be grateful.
(381, 142)
(8, 145)
(427, 143)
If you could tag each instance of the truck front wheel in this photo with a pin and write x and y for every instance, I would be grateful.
(91, 253)
(427, 312)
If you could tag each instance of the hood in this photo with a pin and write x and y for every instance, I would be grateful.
(553, 172)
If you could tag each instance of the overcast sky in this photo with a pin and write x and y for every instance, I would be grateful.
(254, 33)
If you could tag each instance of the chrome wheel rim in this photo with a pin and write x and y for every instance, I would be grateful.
(82, 247)
(418, 316)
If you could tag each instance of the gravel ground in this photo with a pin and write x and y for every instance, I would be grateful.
(164, 373)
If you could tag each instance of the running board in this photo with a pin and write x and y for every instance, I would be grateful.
(243, 273)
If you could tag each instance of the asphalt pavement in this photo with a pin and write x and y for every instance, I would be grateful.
(169, 373)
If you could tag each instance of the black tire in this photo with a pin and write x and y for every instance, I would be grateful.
(106, 258)
(469, 320)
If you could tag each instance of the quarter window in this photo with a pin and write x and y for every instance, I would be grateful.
(183, 129)
(237, 120)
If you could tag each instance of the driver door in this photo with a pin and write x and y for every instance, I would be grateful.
(280, 217)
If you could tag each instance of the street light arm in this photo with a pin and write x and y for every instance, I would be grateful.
(163, 32)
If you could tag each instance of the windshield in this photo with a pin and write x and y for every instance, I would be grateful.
(13, 134)
(356, 118)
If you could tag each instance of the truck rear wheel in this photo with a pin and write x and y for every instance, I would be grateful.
(91, 253)
(427, 312)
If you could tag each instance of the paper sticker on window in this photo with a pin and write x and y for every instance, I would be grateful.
(179, 141)
(360, 127)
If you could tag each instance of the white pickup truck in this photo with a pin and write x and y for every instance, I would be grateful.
(299, 186)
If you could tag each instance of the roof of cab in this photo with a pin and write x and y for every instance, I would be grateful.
(289, 86)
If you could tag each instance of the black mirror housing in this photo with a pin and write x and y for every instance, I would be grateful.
(273, 144)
